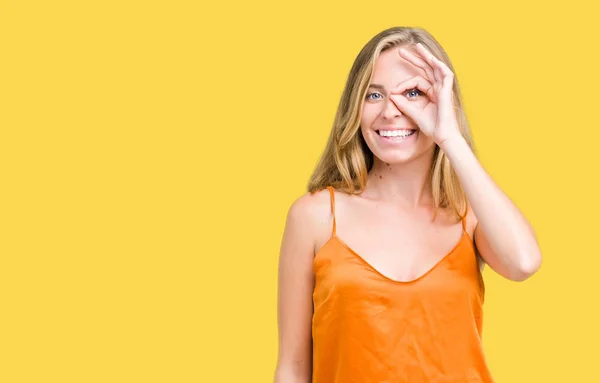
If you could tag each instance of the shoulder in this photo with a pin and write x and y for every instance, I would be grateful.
(311, 208)
(309, 219)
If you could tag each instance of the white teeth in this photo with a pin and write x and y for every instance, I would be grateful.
(395, 133)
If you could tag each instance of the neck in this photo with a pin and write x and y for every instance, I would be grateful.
(407, 184)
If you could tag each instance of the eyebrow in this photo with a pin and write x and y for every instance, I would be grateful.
(377, 86)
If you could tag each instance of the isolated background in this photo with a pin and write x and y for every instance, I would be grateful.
(150, 151)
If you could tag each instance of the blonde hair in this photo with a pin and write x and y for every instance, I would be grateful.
(347, 159)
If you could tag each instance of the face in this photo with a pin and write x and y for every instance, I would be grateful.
(392, 136)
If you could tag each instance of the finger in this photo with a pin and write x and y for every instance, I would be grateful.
(447, 83)
(440, 68)
(417, 82)
(446, 74)
(418, 62)
(442, 71)
(448, 80)
(436, 77)
(447, 107)
(414, 113)
(406, 107)
(423, 52)
(431, 60)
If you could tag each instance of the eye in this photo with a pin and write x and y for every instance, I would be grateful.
(414, 93)
(372, 94)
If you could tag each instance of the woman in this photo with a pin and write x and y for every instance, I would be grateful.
(380, 264)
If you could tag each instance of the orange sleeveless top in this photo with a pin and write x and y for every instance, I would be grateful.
(368, 328)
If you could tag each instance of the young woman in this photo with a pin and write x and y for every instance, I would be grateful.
(380, 264)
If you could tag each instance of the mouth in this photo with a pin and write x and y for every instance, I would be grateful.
(396, 135)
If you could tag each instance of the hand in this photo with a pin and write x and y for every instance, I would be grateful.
(437, 119)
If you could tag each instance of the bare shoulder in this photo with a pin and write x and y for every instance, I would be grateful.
(311, 207)
(309, 217)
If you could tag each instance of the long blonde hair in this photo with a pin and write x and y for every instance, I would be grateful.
(347, 159)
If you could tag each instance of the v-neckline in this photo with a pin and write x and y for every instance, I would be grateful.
(376, 271)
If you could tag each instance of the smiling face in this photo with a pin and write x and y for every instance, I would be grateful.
(391, 135)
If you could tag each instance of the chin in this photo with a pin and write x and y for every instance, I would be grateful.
(397, 157)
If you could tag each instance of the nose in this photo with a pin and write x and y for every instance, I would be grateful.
(390, 110)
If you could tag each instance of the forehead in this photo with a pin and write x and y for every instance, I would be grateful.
(390, 69)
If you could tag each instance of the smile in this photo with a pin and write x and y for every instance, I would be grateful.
(398, 135)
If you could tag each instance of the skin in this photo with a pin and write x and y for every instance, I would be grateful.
(395, 209)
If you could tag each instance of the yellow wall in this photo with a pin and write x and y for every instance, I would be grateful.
(150, 151)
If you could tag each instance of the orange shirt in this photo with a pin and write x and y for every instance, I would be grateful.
(368, 328)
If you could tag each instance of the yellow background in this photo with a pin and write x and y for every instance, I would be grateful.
(150, 151)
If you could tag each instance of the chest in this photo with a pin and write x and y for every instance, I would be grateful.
(398, 245)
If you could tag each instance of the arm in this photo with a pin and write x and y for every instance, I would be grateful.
(295, 287)
(503, 236)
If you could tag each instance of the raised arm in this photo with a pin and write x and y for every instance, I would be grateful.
(503, 235)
